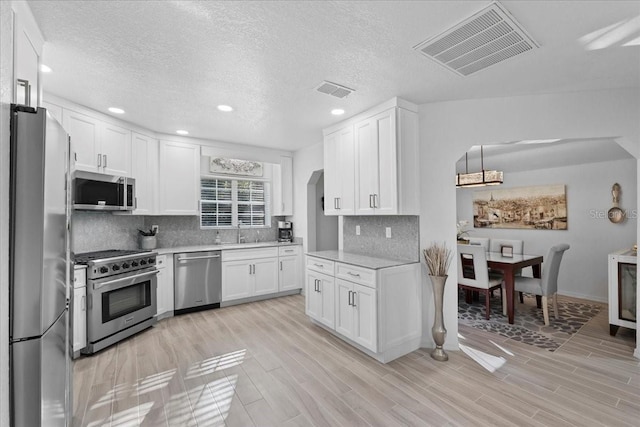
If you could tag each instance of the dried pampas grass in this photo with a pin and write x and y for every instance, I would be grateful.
(438, 258)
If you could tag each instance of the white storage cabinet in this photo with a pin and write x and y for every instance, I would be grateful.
(376, 310)
(79, 309)
(247, 273)
(179, 178)
(290, 268)
(165, 297)
(98, 146)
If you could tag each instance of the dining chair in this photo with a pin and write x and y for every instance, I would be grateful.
(473, 274)
(497, 244)
(518, 249)
(480, 241)
(547, 285)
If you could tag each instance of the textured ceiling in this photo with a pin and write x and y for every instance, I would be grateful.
(169, 63)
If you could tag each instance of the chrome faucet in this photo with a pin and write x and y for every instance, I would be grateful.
(240, 236)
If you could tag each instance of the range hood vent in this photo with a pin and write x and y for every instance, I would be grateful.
(334, 89)
(490, 36)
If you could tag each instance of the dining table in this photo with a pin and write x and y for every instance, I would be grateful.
(510, 265)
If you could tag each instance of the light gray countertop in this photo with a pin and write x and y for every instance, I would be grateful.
(221, 247)
(360, 260)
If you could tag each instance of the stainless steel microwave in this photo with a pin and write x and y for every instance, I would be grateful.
(97, 191)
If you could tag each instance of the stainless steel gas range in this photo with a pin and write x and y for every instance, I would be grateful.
(121, 295)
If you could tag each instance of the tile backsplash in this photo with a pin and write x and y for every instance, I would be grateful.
(404, 242)
(94, 231)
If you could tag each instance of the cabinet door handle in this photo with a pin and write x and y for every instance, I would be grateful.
(353, 302)
(280, 265)
(319, 286)
(353, 274)
(371, 201)
(27, 90)
(375, 199)
(249, 268)
(349, 298)
(319, 265)
(99, 160)
(335, 203)
(83, 303)
(104, 156)
(75, 156)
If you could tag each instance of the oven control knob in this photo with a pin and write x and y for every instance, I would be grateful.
(115, 267)
(152, 260)
(125, 265)
(134, 263)
(103, 269)
(143, 262)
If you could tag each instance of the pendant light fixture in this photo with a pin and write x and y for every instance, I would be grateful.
(478, 179)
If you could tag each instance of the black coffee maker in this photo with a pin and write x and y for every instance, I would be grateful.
(285, 231)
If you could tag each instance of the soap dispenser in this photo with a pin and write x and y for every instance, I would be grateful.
(218, 241)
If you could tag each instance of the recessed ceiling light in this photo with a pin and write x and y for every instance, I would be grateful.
(45, 69)
(225, 108)
(116, 110)
(182, 132)
(337, 111)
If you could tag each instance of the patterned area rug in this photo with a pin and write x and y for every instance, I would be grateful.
(529, 325)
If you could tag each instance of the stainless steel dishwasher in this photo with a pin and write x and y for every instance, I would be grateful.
(197, 281)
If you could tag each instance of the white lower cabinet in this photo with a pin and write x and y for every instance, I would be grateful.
(290, 268)
(376, 310)
(356, 313)
(79, 309)
(249, 272)
(320, 298)
(164, 294)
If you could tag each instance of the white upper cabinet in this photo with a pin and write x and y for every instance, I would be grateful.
(380, 175)
(28, 43)
(376, 174)
(179, 178)
(339, 173)
(283, 187)
(98, 146)
(144, 169)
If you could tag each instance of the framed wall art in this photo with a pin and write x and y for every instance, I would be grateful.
(541, 207)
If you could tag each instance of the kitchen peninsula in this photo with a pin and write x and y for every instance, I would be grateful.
(371, 303)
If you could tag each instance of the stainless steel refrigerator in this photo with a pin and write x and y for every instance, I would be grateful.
(40, 378)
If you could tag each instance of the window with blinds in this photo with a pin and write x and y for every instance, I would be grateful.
(227, 203)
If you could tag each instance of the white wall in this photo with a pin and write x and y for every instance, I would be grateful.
(305, 162)
(449, 129)
(590, 234)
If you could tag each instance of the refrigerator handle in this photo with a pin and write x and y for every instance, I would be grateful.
(27, 90)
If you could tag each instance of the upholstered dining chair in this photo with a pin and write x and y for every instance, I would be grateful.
(473, 274)
(547, 286)
(517, 246)
(497, 244)
(480, 241)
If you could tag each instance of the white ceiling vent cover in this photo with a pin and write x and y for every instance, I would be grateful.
(490, 36)
(334, 89)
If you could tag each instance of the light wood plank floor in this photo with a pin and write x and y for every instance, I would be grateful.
(265, 364)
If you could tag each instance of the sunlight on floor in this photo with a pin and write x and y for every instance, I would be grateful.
(154, 382)
(216, 363)
(488, 361)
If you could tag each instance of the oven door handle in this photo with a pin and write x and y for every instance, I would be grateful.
(120, 279)
(198, 257)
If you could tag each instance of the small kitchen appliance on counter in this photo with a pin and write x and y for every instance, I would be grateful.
(285, 231)
(121, 295)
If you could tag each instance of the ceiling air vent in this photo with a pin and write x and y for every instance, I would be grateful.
(490, 36)
(334, 89)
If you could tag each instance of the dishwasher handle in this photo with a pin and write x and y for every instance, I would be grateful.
(198, 257)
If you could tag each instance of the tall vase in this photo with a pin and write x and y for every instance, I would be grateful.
(438, 330)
